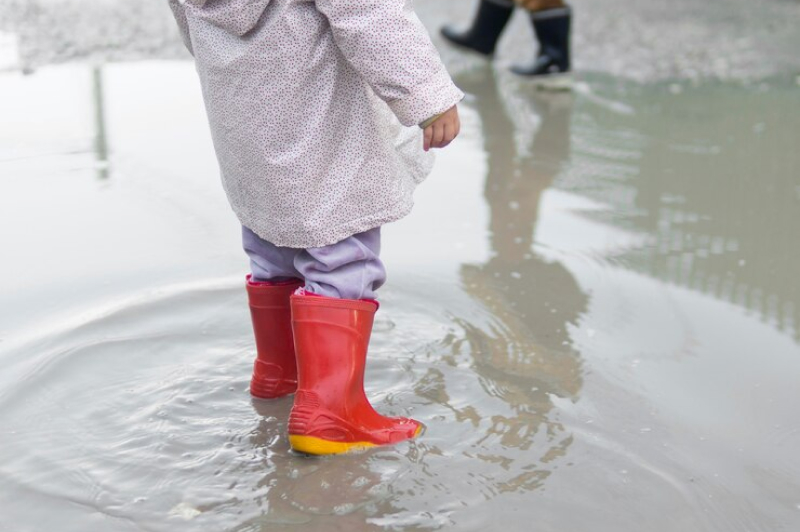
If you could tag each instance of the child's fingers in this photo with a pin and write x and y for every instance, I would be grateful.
(447, 135)
(438, 134)
(454, 128)
(442, 131)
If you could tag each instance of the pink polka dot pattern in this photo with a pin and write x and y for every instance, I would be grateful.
(313, 108)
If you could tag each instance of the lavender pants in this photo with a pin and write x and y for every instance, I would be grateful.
(349, 269)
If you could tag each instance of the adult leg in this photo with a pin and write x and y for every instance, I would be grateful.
(552, 21)
(489, 22)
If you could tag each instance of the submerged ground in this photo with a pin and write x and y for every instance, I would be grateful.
(594, 307)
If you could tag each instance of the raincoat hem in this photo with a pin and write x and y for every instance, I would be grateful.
(304, 239)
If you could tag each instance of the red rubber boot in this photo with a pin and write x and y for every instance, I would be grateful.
(275, 369)
(331, 413)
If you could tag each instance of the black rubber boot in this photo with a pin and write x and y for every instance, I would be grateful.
(552, 28)
(489, 22)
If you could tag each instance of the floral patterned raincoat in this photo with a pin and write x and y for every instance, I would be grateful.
(314, 107)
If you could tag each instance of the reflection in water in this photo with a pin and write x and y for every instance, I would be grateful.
(524, 356)
(295, 491)
(100, 139)
(714, 190)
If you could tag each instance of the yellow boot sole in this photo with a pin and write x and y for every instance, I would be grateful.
(320, 447)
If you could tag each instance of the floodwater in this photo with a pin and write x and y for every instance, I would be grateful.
(594, 308)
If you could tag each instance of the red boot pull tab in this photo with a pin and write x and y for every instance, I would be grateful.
(275, 368)
(331, 413)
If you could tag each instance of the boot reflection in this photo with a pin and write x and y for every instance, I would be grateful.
(317, 495)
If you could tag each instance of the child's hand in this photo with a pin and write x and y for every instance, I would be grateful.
(443, 130)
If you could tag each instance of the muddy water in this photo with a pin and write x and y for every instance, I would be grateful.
(600, 327)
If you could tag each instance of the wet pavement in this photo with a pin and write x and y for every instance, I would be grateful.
(601, 328)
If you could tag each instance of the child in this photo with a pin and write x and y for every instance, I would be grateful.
(314, 162)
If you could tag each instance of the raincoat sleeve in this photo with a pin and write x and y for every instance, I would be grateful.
(179, 12)
(388, 45)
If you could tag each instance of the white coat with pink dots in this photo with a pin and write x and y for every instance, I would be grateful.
(314, 108)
